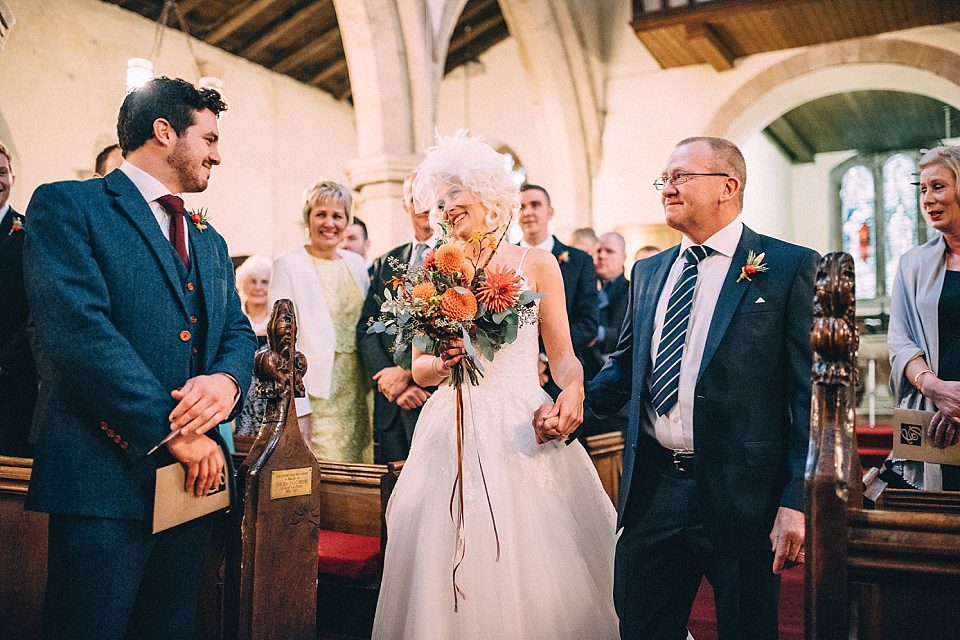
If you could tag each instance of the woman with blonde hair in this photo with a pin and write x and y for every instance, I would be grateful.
(327, 285)
(534, 555)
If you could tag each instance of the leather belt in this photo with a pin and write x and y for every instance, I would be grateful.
(682, 461)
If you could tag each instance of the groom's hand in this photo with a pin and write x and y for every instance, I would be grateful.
(202, 403)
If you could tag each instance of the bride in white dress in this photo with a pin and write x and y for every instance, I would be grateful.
(554, 523)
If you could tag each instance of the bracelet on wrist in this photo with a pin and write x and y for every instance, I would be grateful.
(916, 379)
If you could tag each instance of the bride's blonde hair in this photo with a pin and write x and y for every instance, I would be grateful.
(471, 164)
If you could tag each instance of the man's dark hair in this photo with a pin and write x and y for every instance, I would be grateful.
(528, 187)
(363, 226)
(101, 164)
(174, 100)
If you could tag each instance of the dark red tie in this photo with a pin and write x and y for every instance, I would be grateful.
(174, 206)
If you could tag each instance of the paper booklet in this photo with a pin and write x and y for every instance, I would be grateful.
(172, 505)
(910, 440)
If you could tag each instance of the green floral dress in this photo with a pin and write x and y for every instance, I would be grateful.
(342, 430)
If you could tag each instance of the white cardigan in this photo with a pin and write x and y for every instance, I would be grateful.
(295, 277)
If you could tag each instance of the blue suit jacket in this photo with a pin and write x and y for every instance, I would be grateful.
(108, 305)
(752, 405)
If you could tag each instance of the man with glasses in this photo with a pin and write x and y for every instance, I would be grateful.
(716, 358)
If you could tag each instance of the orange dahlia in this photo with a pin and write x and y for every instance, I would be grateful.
(500, 289)
(423, 291)
(458, 303)
(449, 259)
(428, 259)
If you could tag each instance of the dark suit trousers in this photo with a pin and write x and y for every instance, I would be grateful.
(664, 552)
(395, 440)
(113, 579)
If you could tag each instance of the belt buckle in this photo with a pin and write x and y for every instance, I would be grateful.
(681, 459)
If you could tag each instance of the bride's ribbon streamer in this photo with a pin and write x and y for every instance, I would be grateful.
(457, 495)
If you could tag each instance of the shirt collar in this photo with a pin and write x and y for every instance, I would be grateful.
(150, 188)
(431, 242)
(723, 242)
(4, 210)
(546, 245)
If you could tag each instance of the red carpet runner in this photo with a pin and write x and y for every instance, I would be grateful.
(703, 619)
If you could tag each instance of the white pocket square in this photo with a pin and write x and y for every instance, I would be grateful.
(759, 300)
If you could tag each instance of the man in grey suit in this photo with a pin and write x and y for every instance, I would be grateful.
(140, 325)
(714, 359)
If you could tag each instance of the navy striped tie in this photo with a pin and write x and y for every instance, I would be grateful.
(666, 370)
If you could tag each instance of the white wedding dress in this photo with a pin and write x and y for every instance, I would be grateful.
(556, 526)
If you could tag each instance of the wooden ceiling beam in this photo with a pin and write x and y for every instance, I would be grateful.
(703, 11)
(703, 40)
(279, 32)
(309, 52)
(186, 6)
(235, 20)
(476, 32)
(790, 140)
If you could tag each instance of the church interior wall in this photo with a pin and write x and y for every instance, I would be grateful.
(62, 77)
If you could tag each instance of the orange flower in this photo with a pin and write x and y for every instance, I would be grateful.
(423, 291)
(458, 303)
(449, 259)
(396, 283)
(500, 289)
(428, 259)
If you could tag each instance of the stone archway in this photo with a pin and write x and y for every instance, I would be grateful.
(943, 64)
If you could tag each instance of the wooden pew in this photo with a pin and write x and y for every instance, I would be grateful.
(23, 554)
(873, 574)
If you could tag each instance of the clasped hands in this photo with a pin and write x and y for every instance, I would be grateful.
(557, 421)
(397, 385)
(202, 404)
(944, 428)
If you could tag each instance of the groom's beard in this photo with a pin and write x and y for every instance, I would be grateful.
(187, 168)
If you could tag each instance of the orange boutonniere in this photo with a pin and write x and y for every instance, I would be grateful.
(18, 222)
(754, 265)
(200, 218)
(564, 257)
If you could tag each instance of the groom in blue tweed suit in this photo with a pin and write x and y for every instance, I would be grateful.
(140, 325)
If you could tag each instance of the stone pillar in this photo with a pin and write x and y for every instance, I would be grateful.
(395, 51)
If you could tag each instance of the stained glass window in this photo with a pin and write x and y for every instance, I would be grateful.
(900, 212)
(859, 227)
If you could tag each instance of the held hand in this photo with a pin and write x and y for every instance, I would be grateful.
(412, 397)
(546, 422)
(787, 538)
(392, 381)
(570, 409)
(204, 463)
(946, 395)
(203, 403)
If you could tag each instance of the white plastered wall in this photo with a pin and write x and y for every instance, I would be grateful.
(62, 79)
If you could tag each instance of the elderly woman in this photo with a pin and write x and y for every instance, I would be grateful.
(517, 483)
(253, 282)
(327, 285)
(924, 335)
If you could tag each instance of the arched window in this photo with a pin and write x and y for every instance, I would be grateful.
(879, 220)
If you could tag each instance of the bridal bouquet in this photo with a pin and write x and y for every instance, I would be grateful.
(449, 297)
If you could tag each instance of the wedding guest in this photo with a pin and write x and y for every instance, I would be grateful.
(717, 367)
(327, 285)
(142, 339)
(924, 333)
(576, 267)
(645, 252)
(107, 160)
(355, 239)
(611, 301)
(18, 375)
(253, 283)
(584, 239)
(397, 398)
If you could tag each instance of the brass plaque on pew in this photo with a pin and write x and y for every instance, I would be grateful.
(291, 482)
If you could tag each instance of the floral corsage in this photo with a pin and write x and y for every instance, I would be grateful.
(754, 265)
(18, 223)
(200, 218)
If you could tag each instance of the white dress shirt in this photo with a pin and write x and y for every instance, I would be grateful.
(546, 245)
(675, 429)
(4, 210)
(151, 189)
(431, 243)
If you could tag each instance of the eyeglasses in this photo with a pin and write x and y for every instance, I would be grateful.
(680, 178)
